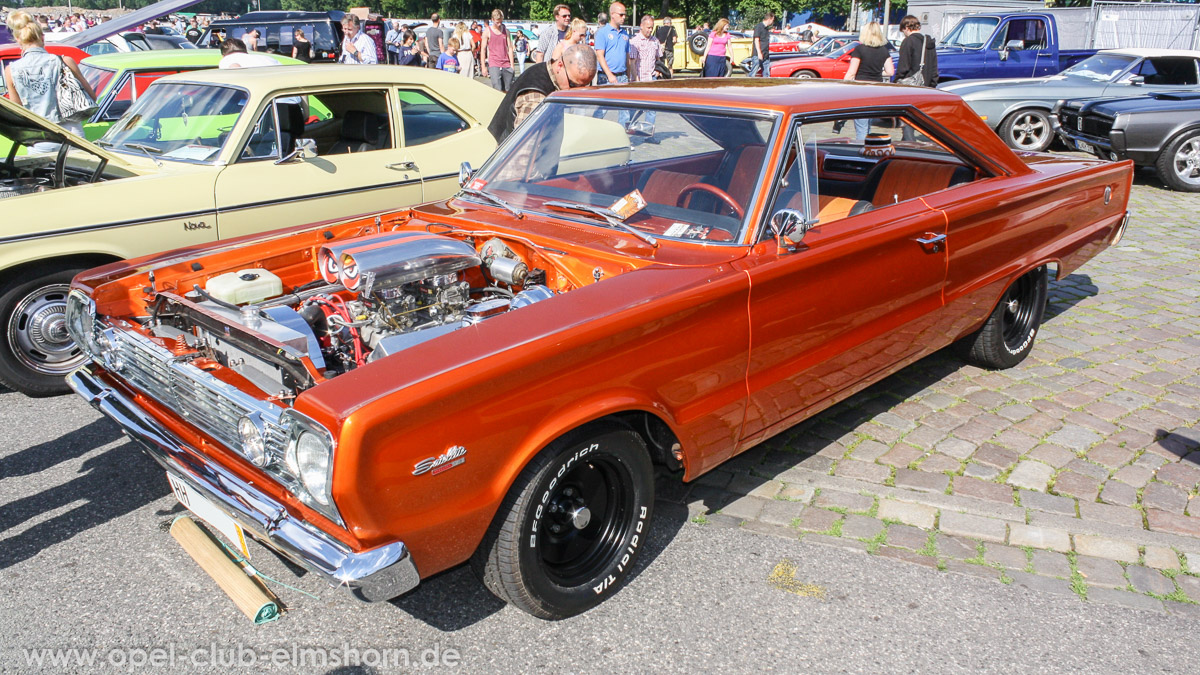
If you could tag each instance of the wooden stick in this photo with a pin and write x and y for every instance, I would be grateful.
(250, 596)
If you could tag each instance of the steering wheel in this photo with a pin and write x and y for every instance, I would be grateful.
(714, 191)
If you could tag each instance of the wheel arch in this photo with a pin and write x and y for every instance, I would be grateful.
(58, 262)
(1004, 281)
(1021, 106)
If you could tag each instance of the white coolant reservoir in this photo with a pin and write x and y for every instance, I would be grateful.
(243, 286)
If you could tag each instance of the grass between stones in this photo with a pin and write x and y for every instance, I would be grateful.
(1077, 583)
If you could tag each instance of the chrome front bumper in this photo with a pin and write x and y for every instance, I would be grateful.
(373, 576)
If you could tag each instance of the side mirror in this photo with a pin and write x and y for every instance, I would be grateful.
(1014, 45)
(465, 172)
(1137, 80)
(791, 225)
(306, 148)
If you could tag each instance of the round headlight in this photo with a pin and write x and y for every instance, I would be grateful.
(312, 461)
(253, 445)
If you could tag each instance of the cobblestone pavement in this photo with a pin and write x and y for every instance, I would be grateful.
(1075, 472)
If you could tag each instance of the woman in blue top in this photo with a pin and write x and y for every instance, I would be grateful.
(32, 80)
(448, 61)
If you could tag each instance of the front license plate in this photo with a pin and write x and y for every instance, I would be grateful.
(199, 505)
(1085, 147)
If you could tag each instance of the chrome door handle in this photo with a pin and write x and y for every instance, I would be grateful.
(403, 166)
(932, 241)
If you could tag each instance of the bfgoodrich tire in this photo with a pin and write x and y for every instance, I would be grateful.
(571, 528)
(36, 352)
(1006, 338)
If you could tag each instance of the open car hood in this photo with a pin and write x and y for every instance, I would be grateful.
(24, 127)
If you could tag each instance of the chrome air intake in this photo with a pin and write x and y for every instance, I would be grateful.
(394, 262)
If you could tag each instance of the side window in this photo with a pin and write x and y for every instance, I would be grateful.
(263, 142)
(143, 80)
(119, 100)
(1169, 71)
(346, 122)
(425, 119)
(1030, 32)
(859, 164)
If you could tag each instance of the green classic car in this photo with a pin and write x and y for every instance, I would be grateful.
(119, 79)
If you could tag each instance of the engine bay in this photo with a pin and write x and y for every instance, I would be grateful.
(367, 297)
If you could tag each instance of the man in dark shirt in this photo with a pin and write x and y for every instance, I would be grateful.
(667, 36)
(760, 49)
(193, 32)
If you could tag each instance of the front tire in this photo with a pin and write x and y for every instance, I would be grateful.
(569, 531)
(1027, 130)
(805, 75)
(1006, 338)
(1179, 164)
(36, 352)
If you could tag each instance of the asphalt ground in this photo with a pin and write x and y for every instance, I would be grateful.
(86, 563)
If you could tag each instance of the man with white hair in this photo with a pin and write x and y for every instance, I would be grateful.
(357, 46)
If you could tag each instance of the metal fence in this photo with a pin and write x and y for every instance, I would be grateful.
(1104, 25)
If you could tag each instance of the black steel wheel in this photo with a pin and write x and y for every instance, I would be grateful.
(571, 527)
(1006, 338)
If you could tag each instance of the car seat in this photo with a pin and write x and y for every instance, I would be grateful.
(362, 132)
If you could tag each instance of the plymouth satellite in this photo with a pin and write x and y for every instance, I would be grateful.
(661, 274)
(211, 155)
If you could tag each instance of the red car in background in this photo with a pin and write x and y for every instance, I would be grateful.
(11, 52)
(784, 43)
(832, 66)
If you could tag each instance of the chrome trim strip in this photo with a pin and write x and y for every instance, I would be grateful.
(374, 575)
(101, 226)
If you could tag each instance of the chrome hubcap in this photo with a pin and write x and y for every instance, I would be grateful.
(1187, 162)
(37, 332)
(1029, 131)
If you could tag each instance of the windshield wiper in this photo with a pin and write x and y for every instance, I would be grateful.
(146, 150)
(607, 214)
(103, 144)
(495, 200)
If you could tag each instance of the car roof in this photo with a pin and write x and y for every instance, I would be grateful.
(766, 94)
(478, 100)
(1150, 52)
(167, 58)
(321, 74)
(76, 53)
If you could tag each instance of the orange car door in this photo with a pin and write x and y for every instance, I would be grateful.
(860, 294)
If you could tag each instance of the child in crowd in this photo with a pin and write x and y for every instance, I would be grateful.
(448, 61)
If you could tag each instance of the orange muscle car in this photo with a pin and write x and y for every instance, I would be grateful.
(664, 276)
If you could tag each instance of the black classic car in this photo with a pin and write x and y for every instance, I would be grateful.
(1161, 130)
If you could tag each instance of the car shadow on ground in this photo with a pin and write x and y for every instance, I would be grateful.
(37, 458)
(111, 484)
(456, 598)
(1182, 445)
(1068, 292)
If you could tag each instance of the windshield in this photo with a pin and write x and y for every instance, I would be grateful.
(972, 32)
(680, 175)
(841, 51)
(97, 77)
(1102, 67)
(182, 122)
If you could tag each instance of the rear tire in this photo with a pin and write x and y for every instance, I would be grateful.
(36, 353)
(1006, 338)
(1027, 129)
(1179, 164)
(697, 43)
(569, 531)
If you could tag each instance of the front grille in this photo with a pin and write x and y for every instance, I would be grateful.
(211, 405)
(1093, 125)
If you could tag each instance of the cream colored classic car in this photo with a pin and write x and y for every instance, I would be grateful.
(212, 155)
